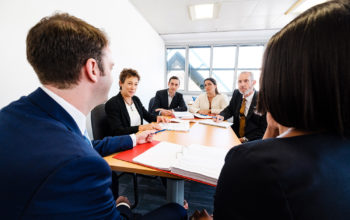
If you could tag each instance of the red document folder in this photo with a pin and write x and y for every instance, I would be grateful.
(132, 153)
(129, 155)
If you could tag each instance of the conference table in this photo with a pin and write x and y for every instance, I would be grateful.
(198, 134)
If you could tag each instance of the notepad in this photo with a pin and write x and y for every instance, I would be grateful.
(222, 124)
(195, 161)
(183, 115)
(179, 126)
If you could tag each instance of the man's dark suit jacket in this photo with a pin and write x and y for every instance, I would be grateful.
(301, 178)
(161, 101)
(255, 124)
(118, 116)
(48, 170)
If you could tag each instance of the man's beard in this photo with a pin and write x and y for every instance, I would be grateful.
(246, 93)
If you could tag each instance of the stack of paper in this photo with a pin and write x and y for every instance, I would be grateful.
(161, 156)
(222, 124)
(201, 116)
(183, 115)
(179, 126)
(194, 161)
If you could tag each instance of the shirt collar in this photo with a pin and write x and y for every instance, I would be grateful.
(250, 97)
(169, 94)
(77, 115)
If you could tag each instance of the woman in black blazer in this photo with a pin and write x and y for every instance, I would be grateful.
(125, 111)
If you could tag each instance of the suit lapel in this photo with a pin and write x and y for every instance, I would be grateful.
(52, 108)
(171, 106)
(252, 105)
(123, 107)
(166, 99)
(239, 103)
(138, 108)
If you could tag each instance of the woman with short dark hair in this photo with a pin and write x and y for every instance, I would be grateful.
(301, 170)
(125, 111)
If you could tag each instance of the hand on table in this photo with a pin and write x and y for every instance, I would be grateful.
(165, 112)
(144, 136)
(162, 119)
(151, 126)
(218, 118)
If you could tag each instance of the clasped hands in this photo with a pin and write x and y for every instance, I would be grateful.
(165, 112)
(146, 132)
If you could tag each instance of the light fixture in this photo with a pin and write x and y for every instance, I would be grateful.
(302, 5)
(204, 11)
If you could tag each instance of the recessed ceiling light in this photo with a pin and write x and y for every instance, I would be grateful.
(307, 4)
(300, 6)
(204, 11)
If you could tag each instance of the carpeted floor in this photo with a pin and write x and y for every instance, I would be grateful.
(152, 194)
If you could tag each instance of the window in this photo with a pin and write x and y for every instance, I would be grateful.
(198, 68)
(176, 63)
(192, 64)
(250, 59)
(224, 60)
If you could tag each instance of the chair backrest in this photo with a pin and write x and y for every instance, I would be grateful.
(150, 105)
(99, 122)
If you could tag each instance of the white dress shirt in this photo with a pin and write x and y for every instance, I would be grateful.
(170, 99)
(248, 102)
(78, 116)
(218, 103)
(135, 119)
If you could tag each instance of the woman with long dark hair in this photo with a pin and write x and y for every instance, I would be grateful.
(301, 170)
(210, 102)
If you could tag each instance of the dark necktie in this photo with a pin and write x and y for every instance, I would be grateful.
(242, 118)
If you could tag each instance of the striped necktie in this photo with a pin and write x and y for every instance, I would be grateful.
(242, 118)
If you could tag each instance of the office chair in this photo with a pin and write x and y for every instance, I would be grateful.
(150, 105)
(100, 129)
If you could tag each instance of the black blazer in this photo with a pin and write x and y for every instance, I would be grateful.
(301, 178)
(255, 124)
(118, 116)
(161, 101)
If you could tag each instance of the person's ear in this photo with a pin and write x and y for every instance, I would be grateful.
(253, 82)
(92, 70)
(120, 84)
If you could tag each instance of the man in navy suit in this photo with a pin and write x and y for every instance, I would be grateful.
(247, 124)
(169, 100)
(49, 167)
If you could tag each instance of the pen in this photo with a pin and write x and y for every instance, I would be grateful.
(159, 131)
(218, 119)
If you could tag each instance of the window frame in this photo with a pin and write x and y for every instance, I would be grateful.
(211, 69)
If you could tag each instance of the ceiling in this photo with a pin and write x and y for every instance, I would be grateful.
(171, 16)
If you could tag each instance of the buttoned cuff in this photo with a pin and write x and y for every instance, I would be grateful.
(133, 138)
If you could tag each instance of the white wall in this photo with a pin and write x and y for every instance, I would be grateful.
(133, 42)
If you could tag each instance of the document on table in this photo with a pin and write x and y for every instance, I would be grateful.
(160, 156)
(195, 161)
(222, 124)
(196, 115)
(183, 115)
(179, 126)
